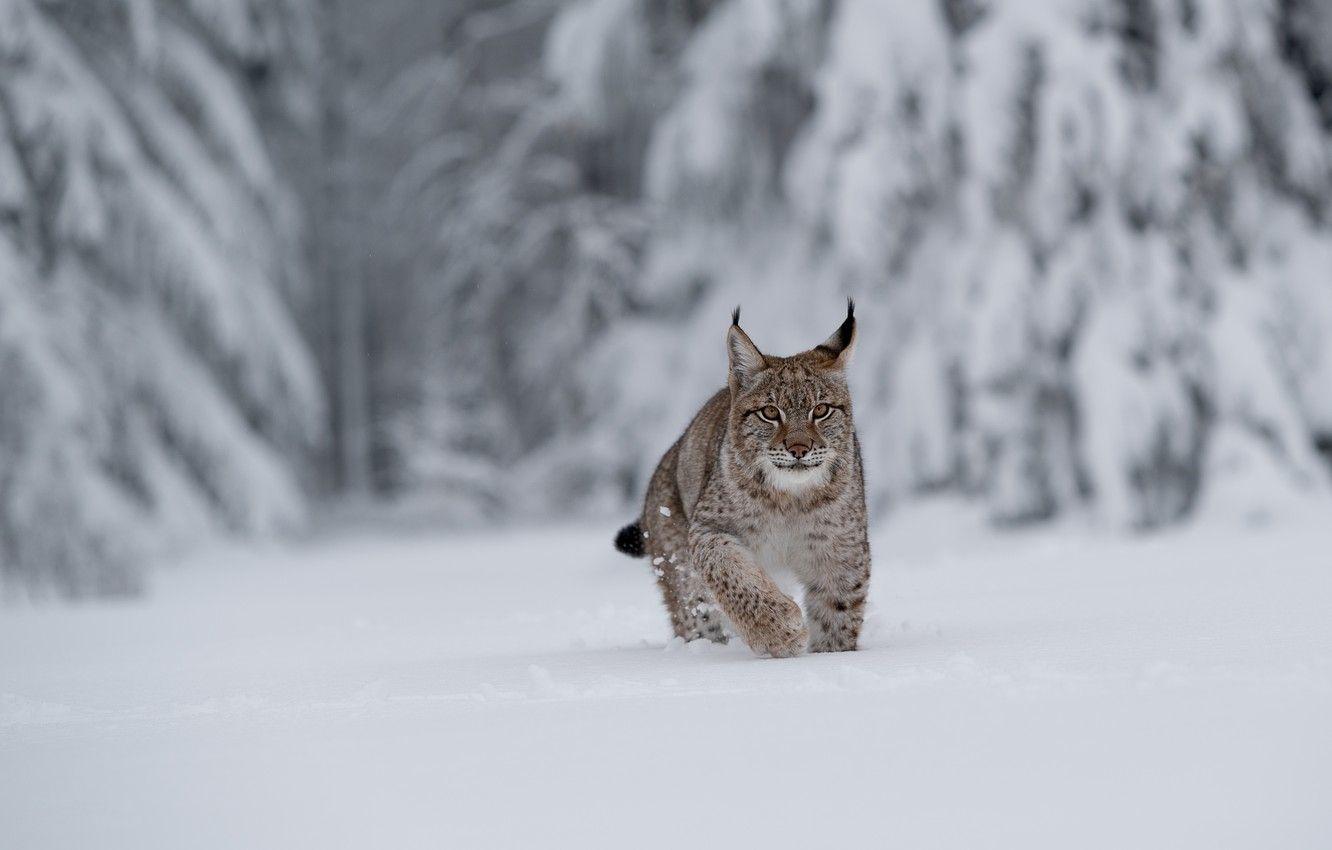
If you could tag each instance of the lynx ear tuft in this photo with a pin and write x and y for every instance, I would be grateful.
(840, 345)
(746, 360)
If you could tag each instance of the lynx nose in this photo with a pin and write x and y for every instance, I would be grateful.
(798, 450)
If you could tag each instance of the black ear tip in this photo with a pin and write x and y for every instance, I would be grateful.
(848, 326)
(735, 315)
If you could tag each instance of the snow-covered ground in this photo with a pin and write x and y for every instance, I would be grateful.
(1055, 689)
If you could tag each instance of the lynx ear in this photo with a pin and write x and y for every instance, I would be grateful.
(843, 341)
(746, 360)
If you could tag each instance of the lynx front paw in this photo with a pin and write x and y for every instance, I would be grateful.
(779, 631)
(833, 643)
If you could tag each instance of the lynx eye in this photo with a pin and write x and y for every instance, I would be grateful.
(820, 411)
(770, 413)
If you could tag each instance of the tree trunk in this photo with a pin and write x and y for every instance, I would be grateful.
(338, 245)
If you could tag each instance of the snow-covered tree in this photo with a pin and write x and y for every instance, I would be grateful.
(1090, 238)
(153, 385)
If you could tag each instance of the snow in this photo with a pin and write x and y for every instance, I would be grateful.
(1064, 688)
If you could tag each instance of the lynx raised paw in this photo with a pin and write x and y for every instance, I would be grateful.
(780, 632)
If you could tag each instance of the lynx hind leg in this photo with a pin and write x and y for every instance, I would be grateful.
(694, 613)
(698, 615)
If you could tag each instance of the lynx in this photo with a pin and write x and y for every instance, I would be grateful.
(766, 481)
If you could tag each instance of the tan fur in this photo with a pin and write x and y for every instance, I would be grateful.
(730, 505)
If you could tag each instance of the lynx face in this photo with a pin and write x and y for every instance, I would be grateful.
(791, 416)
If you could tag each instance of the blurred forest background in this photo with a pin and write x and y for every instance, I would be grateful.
(477, 257)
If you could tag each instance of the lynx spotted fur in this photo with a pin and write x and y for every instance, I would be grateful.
(765, 481)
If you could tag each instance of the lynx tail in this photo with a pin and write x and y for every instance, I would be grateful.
(629, 540)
